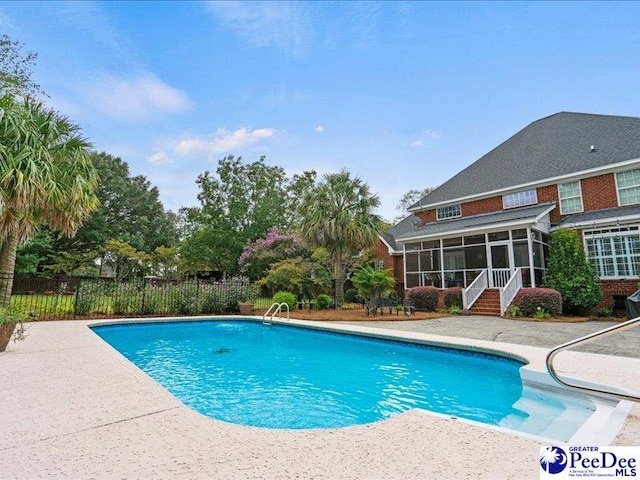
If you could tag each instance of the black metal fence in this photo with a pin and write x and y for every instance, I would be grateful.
(47, 298)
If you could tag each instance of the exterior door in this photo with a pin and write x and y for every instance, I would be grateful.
(500, 265)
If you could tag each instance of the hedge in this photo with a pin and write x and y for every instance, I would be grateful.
(453, 297)
(425, 298)
(529, 299)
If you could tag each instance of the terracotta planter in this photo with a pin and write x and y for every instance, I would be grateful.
(245, 308)
(6, 330)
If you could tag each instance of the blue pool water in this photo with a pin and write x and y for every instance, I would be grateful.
(286, 377)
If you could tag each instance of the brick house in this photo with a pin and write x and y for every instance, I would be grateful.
(487, 228)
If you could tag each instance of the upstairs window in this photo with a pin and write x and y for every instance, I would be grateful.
(628, 187)
(570, 197)
(449, 211)
(518, 199)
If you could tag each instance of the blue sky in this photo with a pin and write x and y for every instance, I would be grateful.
(402, 94)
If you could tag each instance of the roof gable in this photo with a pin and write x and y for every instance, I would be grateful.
(551, 147)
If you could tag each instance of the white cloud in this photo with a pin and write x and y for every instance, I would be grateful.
(319, 129)
(285, 25)
(223, 141)
(159, 157)
(417, 143)
(435, 134)
(133, 99)
(5, 21)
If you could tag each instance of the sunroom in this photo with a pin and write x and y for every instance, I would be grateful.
(452, 253)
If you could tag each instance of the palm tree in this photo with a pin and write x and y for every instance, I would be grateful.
(46, 178)
(372, 283)
(338, 215)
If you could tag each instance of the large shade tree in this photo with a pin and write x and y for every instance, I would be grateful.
(46, 178)
(339, 216)
(130, 212)
(239, 204)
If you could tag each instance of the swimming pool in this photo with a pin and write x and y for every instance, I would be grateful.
(287, 377)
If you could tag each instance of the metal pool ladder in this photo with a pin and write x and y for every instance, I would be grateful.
(615, 395)
(277, 310)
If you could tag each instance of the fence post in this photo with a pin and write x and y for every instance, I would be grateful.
(144, 294)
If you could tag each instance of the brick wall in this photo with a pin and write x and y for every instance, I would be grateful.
(381, 252)
(598, 193)
(611, 288)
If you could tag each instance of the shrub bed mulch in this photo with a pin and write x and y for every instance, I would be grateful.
(357, 314)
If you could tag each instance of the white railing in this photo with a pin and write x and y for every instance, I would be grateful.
(510, 290)
(473, 291)
(277, 310)
(499, 277)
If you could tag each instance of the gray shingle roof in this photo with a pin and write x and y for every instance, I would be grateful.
(405, 225)
(553, 146)
(598, 215)
(524, 214)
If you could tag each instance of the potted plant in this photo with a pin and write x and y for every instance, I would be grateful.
(11, 325)
(246, 306)
(245, 303)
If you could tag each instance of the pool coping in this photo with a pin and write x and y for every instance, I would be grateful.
(77, 403)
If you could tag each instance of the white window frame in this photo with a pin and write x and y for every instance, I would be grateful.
(618, 188)
(562, 212)
(607, 234)
(448, 208)
(519, 199)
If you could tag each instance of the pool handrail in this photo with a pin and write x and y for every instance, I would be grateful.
(614, 395)
(277, 310)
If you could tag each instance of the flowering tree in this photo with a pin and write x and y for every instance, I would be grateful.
(258, 256)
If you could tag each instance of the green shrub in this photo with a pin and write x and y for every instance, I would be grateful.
(454, 310)
(88, 297)
(512, 311)
(425, 298)
(183, 299)
(127, 299)
(237, 290)
(151, 301)
(351, 296)
(285, 297)
(453, 297)
(324, 301)
(211, 300)
(571, 274)
(547, 299)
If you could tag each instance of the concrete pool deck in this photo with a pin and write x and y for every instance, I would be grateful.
(72, 407)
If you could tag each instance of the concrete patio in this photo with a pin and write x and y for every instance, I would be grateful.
(75, 408)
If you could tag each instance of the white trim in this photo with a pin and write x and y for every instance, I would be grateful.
(587, 234)
(390, 249)
(615, 176)
(594, 223)
(452, 216)
(538, 183)
(579, 193)
(534, 202)
(487, 228)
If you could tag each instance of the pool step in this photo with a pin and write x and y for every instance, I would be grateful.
(524, 422)
(559, 420)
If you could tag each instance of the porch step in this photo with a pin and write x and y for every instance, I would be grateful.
(488, 303)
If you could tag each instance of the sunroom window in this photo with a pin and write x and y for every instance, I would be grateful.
(614, 252)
